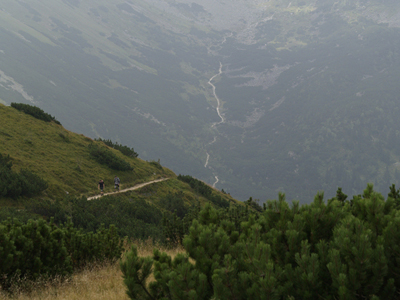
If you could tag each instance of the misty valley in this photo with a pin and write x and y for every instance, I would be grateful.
(253, 97)
(199, 149)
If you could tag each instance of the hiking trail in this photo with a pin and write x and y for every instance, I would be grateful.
(135, 187)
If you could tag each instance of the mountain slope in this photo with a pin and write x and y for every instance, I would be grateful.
(62, 157)
(307, 92)
(100, 70)
(323, 111)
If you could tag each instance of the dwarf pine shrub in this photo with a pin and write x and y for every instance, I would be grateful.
(14, 185)
(339, 249)
(35, 112)
(125, 150)
(106, 157)
(137, 219)
(204, 190)
(40, 249)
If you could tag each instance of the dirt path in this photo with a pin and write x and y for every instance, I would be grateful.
(135, 187)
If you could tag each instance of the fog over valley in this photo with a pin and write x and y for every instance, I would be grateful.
(253, 97)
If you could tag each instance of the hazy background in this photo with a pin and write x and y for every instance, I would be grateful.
(306, 92)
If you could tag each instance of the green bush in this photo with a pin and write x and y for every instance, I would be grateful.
(106, 157)
(204, 190)
(38, 248)
(175, 228)
(342, 249)
(31, 184)
(174, 203)
(125, 150)
(14, 185)
(156, 164)
(88, 247)
(35, 111)
(200, 187)
(22, 215)
(254, 204)
(134, 218)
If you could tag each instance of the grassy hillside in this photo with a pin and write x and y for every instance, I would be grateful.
(62, 157)
(105, 67)
(308, 88)
(66, 162)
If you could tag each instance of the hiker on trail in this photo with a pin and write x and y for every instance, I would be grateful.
(116, 183)
(101, 186)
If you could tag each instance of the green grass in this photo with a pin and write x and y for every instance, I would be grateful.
(62, 157)
(155, 192)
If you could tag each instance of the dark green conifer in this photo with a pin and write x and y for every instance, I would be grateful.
(324, 250)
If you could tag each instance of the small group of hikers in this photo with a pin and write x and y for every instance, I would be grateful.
(102, 185)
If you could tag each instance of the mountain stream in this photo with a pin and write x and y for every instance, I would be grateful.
(219, 114)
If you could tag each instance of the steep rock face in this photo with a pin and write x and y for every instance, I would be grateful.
(306, 90)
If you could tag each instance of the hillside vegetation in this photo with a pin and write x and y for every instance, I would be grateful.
(97, 281)
(63, 159)
(72, 164)
(336, 249)
(49, 228)
(341, 248)
(308, 88)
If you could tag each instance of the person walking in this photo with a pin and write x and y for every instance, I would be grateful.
(101, 186)
(116, 183)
